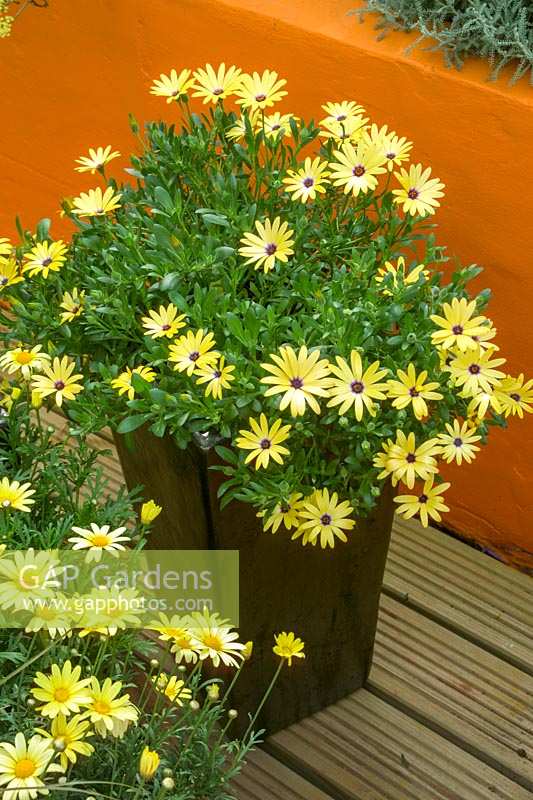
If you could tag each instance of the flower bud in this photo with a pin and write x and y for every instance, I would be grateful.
(148, 764)
(60, 744)
(168, 783)
(182, 668)
(233, 713)
(62, 779)
(30, 702)
(167, 772)
(213, 691)
(194, 705)
(149, 512)
(36, 399)
(248, 650)
(154, 663)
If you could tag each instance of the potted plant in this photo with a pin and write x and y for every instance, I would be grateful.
(260, 317)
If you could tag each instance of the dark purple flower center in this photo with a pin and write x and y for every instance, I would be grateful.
(260, 97)
(458, 442)
(457, 329)
(75, 309)
(308, 182)
(474, 369)
(423, 498)
(59, 385)
(194, 356)
(284, 508)
(297, 383)
(341, 117)
(390, 155)
(410, 458)
(516, 397)
(276, 127)
(412, 194)
(46, 262)
(357, 387)
(265, 444)
(4, 280)
(218, 91)
(271, 248)
(165, 327)
(413, 392)
(358, 170)
(325, 519)
(175, 93)
(217, 374)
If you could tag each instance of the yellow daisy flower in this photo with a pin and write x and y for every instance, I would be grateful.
(22, 766)
(288, 646)
(53, 617)
(475, 371)
(108, 710)
(193, 351)
(396, 150)
(98, 539)
(45, 257)
(298, 377)
(276, 125)
(264, 441)
(184, 648)
(61, 691)
(356, 168)
(25, 361)
(148, 763)
(458, 326)
(166, 322)
(355, 387)
(260, 91)
(349, 131)
(96, 160)
(400, 276)
(412, 389)
(58, 380)
(340, 112)
(67, 737)
(237, 131)
(15, 495)
(482, 401)
(213, 86)
(324, 518)
(215, 639)
(72, 305)
(6, 248)
(304, 183)
(286, 512)
(123, 382)
(458, 442)
(515, 396)
(173, 688)
(406, 462)
(149, 512)
(94, 203)
(429, 504)
(174, 627)
(172, 86)
(9, 273)
(26, 578)
(419, 192)
(273, 242)
(217, 376)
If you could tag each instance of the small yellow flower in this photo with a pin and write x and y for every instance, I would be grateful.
(428, 504)
(108, 710)
(288, 646)
(67, 737)
(62, 691)
(264, 441)
(172, 86)
(16, 495)
(166, 322)
(299, 378)
(419, 192)
(6, 248)
(215, 639)
(356, 168)
(276, 125)
(356, 387)
(458, 442)
(324, 518)
(173, 688)
(98, 539)
(217, 376)
(23, 764)
(45, 257)
(340, 112)
(458, 327)
(399, 275)
(237, 131)
(396, 150)
(72, 305)
(25, 361)
(475, 371)
(193, 351)
(515, 396)
(148, 764)
(260, 91)
(58, 380)
(273, 242)
(482, 401)
(287, 512)
(350, 130)
(9, 273)
(412, 389)
(304, 183)
(94, 203)
(97, 159)
(123, 382)
(404, 461)
(149, 512)
(213, 86)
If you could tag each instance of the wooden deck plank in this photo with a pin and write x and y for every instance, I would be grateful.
(266, 778)
(479, 701)
(367, 750)
(466, 590)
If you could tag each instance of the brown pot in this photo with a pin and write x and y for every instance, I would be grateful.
(329, 598)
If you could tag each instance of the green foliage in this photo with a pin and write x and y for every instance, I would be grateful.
(499, 30)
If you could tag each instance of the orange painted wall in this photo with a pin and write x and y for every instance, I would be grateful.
(70, 75)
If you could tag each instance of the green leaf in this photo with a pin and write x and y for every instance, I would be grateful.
(130, 424)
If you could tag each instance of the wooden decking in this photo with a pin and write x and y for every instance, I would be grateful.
(447, 713)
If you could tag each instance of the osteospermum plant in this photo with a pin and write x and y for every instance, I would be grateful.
(272, 286)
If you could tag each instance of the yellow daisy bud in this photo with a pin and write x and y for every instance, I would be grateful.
(149, 511)
(15, 393)
(213, 691)
(247, 652)
(36, 399)
(148, 764)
